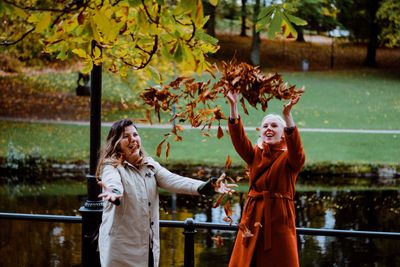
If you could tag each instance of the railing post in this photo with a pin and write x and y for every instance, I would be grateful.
(189, 231)
(92, 210)
(91, 219)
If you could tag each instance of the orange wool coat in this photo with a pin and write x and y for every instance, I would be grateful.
(267, 230)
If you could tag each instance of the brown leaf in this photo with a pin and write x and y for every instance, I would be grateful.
(220, 133)
(227, 209)
(179, 127)
(206, 134)
(159, 148)
(244, 106)
(219, 201)
(218, 241)
(167, 150)
(228, 162)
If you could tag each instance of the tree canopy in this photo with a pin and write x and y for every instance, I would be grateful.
(120, 34)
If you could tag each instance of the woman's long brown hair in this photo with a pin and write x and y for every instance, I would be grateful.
(111, 153)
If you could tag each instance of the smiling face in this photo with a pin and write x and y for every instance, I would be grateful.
(271, 131)
(130, 144)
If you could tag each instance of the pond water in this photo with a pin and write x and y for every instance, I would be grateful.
(25, 243)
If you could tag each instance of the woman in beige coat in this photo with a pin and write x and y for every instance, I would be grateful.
(129, 232)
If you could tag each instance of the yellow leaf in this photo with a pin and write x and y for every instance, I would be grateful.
(213, 2)
(105, 26)
(80, 52)
(96, 34)
(41, 21)
(199, 14)
(96, 52)
(20, 12)
(87, 66)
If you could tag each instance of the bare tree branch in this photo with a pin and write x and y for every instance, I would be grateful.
(7, 43)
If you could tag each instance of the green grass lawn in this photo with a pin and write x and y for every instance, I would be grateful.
(70, 143)
(359, 99)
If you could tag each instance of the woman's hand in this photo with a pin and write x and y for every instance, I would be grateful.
(112, 195)
(233, 99)
(288, 106)
(222, 187)
(286, 114)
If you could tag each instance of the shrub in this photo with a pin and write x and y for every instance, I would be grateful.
(23, 168)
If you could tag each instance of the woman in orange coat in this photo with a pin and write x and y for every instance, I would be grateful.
(267, 230)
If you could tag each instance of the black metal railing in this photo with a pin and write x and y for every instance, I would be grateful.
(189, 229)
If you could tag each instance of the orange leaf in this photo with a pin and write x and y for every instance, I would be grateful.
(159, 148)
(220, 132)
(227, 208)
(179, 127)
(244, 106)
(167, 150)
(228, 162)
(218, 241)
(205, 134)
(219, 200)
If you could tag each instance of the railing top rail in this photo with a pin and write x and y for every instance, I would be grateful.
(208, 225)
(40, 217)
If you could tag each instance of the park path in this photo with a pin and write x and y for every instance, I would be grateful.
(188, 127)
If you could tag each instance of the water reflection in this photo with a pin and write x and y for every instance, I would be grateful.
(59, 244)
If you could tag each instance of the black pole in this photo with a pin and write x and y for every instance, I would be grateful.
(189, 231)
(92, 210)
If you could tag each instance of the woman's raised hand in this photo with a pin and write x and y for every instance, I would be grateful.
(288, 106)
(232, 97)
(222, 187)
(112, 195)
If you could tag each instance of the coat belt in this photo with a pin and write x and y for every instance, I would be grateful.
(266, 196)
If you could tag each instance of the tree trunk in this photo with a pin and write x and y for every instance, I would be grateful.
(370, 60)
(209, 10)
(243, 15)
(256, 41)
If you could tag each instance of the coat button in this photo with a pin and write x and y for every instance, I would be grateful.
(152, 223)
(149, 204)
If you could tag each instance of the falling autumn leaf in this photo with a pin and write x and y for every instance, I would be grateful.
(228, 162)
(219, 201)
(218, 241)
(227, 209)
(220, 133)
(194, 102)
(167, 150)
(159, 148)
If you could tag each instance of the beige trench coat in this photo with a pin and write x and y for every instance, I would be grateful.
(128, 230)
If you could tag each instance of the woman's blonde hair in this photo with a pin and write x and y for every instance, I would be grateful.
(111, 153)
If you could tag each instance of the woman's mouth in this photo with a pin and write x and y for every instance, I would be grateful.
(133, 147)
